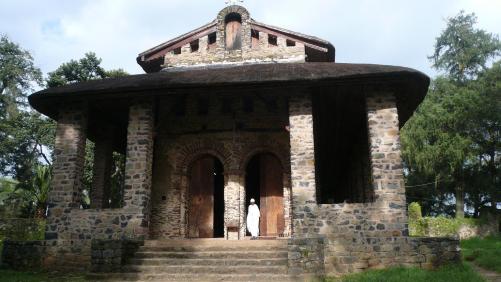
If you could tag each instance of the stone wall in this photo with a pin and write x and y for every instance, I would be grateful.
(233, 138)
(66, 221)
(61, 255)
(357, 236)
(112, 255)
(262, 52)
(21, 228)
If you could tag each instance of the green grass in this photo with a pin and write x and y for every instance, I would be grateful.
(484, 252)
(451, 273)
(20, 276)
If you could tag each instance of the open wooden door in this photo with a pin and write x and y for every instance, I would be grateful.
(272, 222)
(201, 193)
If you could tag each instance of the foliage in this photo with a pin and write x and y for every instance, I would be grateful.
(38, 192)
(440, 226)
(415, 211)
(7, 275)
(462, 51)
(25, 136)
(453, 141)
(117, 180)
(24, 143)
(484, 252)
(457, 273)
(17, 76)
(87, 68)
(11, 199)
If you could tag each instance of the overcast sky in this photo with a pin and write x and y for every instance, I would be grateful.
(393, 32)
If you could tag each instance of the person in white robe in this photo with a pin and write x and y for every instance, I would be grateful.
(253, 219)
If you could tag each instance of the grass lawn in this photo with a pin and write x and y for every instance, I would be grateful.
(452, 273)
(7, 275)
(485, 253)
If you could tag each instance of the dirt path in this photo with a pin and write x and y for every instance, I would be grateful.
(488, 275)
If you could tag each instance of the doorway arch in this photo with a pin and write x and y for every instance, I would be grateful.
(206, 198)
(264, 183)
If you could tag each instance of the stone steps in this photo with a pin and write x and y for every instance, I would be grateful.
(206, 269)
(213, 254)
(205, 260)
(211, 262)
(191, 277)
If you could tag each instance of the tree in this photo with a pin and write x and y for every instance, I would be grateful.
(38, 195)
(26, 141)
(462, 50)
(453, 138)
(434, 143)
(87, 68)
(17, 76)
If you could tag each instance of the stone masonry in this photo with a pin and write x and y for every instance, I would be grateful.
(302, 165)
(262, 52)
(164, 128)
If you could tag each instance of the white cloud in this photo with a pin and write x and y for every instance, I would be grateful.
(397, 32)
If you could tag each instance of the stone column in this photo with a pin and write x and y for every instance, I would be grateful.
(67, 171)
(387, 169)
(302, 166)
(103, 158)
(232, 206)
(138, 166)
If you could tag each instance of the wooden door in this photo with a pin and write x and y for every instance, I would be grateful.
(201, 209)
(233, 35)
(271, 192)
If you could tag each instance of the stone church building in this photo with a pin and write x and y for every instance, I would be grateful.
(233, 110)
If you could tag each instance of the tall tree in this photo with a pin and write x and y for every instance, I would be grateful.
(18, 74)
(451, 138)
(462, 50)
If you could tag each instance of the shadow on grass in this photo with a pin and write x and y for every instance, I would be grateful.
(451, 273)
(484, 252)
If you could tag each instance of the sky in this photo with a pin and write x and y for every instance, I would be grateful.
(391, 32)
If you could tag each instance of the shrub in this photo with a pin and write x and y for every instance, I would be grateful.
(439, 226)
(415, 211)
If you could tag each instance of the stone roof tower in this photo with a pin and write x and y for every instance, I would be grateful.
(235, 38)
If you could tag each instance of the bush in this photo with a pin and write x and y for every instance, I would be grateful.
(22, 229)
(415, 211)
(439, 226)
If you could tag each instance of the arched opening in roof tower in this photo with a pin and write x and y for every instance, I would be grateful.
(233, 31)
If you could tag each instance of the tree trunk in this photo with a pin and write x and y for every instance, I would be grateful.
(40, 211)
(460, 201)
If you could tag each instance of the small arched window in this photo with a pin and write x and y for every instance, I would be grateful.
(233, 27)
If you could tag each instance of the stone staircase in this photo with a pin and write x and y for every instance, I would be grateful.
(205, 260)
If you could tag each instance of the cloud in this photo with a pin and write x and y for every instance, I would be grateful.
(396, 32)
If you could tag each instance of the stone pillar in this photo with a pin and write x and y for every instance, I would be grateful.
(232, 206)
(387, 168)
(138, 166)
(69, 156)
(103, 158)
(263, 40)
(302, 166)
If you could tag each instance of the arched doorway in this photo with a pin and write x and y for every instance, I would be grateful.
(264, 183)
(206, 198)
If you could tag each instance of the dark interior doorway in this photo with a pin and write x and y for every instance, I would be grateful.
(206, 199)
(264, 183)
